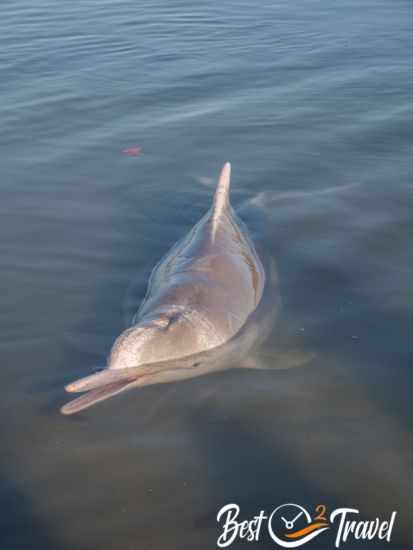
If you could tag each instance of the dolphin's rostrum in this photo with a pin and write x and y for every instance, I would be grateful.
(203, 310)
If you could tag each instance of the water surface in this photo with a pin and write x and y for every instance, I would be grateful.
(312, 103)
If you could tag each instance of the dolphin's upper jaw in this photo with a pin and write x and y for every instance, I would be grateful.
(104, 378)
(136, 374)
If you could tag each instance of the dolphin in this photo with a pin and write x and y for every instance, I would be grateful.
(209, 303)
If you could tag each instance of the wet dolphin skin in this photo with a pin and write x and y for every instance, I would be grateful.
(199, 297)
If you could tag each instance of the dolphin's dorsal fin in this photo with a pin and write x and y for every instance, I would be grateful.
(221, 197)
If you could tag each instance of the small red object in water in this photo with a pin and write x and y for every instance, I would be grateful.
(132, 151)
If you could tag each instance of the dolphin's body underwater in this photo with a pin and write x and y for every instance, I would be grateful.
(209, 302)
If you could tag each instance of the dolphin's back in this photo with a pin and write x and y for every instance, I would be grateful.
(214, 272)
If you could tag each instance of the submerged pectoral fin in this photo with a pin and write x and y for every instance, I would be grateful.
(94, 396)
(280, 361)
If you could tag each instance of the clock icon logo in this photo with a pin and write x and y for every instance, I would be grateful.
(290, 526)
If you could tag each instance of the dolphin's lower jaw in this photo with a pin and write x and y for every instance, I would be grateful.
(95, 396)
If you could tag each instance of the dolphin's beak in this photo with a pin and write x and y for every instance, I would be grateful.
(108, 382)
(99, 379)
(100, 386)
(94, 396)
(104, 384)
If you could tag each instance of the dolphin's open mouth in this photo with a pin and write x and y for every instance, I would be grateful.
(108, 382)
(94, 396)
(102, 385)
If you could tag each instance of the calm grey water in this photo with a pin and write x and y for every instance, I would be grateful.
(312, 103)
